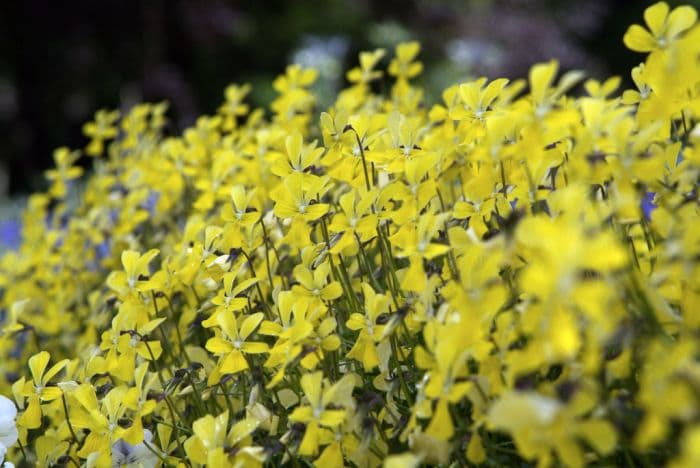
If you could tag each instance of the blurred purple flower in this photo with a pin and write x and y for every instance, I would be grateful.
(151, 202)
(648, 204)
(10, 234)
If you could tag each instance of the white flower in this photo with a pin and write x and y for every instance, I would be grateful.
(8, 430)
(134, 456)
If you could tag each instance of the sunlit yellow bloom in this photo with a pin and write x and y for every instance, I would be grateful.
(233, 346)
(664, 27)
(509, 276)
(316, 414)
(38, 389)
(101, 129)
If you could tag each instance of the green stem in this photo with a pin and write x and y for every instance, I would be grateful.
(70, 426)
(362, 155)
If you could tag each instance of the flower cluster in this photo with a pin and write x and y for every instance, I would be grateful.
(512, 274)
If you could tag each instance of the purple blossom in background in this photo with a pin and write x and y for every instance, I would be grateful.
(151, 202)
(103, 250)
(10, 234)
(648, 205)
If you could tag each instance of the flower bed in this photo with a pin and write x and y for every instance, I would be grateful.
(506, 276)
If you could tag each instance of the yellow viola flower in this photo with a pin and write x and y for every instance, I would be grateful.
(101, 129)
(355, 221)
(479, 202)
(366, 73)
(233, 345)
(298, 197)
(314, 288)
(204, 137)
(135, 271)
(477, 99)
(603, 90)
(38, 389)
(371, 332)
(417, 239)
(665, 25)
(234, 107)
(50, 448)
(142, 404)
(664, 398)
(295, 77)
(213, 444)
(316, 413)
(543, 427)
(127, 338)
(240, 211)
(324, 340)
(12, 323)
(300, 158)
(101, 419)
(65, 171)
(541, 78)
(292, 331)
(292, 325)
(294, 104)
(403, 66)
(229, 299)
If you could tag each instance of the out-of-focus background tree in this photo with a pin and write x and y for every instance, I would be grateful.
(61, 61)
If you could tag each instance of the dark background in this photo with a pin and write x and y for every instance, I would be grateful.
(61, 61)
